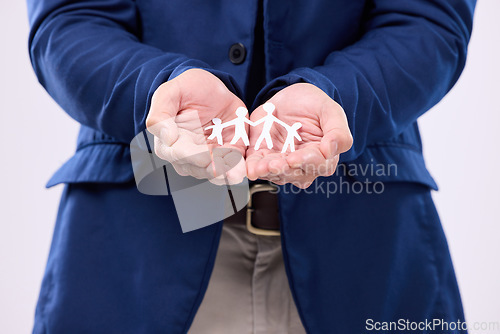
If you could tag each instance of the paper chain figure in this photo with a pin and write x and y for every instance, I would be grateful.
(268, 120)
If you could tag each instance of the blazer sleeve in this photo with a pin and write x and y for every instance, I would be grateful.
(410, 55)
(88, 56)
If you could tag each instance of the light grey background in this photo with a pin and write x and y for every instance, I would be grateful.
(461, 137)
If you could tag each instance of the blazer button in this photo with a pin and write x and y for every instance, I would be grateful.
(237, 53)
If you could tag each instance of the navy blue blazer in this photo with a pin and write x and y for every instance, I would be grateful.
(385, 62)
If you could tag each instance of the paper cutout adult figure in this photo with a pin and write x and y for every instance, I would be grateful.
(239, 126)
(290, 137)
(217, 130)
(268, 121)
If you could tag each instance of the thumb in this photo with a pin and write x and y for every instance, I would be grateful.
(337, 137)
(165, 105)
(335, 141)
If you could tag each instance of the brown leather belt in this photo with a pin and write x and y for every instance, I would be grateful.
(261, 215)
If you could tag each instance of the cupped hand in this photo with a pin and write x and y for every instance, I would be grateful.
(325, 134)
(181, 110)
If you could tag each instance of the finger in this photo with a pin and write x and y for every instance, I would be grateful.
(166, 130)
(165, 103)
(303, 178)
(219, 180)
(190, 120)
(287, 176)
(180, 169)
(236, 168)
(297, 177)
(303, 184)
(234, 175)
(279, 166)
(230, 164)
(184, 151)
(337, 137)
(274, 179)
(192, 171)
(308, 159)
(329, 147)
(279, 182)
(329, 168)
(175, 154)
(169, 129)
(262, 168)
(251, 163)
(228, 148)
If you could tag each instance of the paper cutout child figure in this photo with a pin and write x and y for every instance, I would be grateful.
(268, 121)
(217, 130)
(239, 126)
(291, 135)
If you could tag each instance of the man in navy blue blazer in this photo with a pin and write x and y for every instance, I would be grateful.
(362, 244)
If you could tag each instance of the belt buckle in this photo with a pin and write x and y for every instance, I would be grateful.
(256, 188)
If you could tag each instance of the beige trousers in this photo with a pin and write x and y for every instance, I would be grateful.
(248, 292)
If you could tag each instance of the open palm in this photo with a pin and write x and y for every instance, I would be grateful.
(324, 135)
(181, 110)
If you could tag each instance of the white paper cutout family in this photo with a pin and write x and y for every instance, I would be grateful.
(241, 133)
